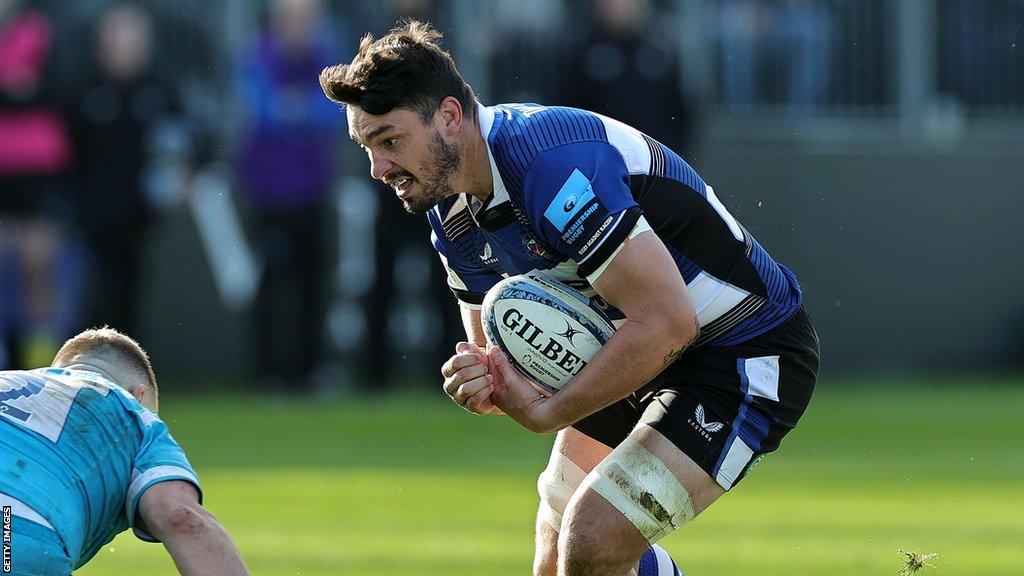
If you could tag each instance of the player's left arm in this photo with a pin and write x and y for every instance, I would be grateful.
(170, 511)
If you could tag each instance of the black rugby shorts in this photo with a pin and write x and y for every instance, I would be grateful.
(724, 407)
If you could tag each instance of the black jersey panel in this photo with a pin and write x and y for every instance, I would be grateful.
(684, 219)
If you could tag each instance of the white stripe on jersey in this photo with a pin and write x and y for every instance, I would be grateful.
(712, 298)
(630, 143)
(734, 226)
(604, 236)
(453, 279)
(457, 206)
(640, 227)
(486, 116)
(22, 510)
(141, 480)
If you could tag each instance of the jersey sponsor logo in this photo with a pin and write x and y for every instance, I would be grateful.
(702, 426)
(575, 193)
(576, 229)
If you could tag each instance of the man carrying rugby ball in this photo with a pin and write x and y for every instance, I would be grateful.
(714, 358)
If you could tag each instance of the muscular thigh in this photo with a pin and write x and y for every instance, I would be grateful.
(644, 490)
(583, 450)
(573, 455)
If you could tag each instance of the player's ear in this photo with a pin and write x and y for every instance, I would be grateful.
(139, 392)
(451, 114)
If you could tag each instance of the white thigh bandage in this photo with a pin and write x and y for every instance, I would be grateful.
(556, 485)
(640, 486)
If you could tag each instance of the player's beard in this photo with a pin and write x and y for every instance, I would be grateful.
(441, 168)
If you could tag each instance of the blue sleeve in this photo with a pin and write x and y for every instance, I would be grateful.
(578, 197)
(467, 280)
(159, 459)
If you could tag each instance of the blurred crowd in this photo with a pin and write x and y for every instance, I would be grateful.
(115, 115)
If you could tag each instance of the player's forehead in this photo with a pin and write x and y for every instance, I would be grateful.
(364, 127)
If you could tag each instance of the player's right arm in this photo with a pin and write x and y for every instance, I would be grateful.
(473, 325)
(170, 511)
(467, 374)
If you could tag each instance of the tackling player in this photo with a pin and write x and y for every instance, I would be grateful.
(83, 456)
(714, 358)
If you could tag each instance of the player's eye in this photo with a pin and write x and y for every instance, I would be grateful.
(389, 143)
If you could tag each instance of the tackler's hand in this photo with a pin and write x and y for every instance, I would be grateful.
(467, 378)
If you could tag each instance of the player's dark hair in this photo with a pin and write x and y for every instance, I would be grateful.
(407, 68)
(107, 341)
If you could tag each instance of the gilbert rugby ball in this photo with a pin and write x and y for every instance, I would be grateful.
(548, 330)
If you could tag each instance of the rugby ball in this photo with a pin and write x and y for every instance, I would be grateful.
(548, 330)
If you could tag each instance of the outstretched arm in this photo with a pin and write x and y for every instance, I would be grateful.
(170, 511)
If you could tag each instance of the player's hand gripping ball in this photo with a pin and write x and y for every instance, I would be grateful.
(548, 330)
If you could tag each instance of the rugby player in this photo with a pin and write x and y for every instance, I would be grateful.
(714, 359)
(83, 456)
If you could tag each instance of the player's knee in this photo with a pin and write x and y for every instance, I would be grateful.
(556, 485)
(643, 489)
(590, 552)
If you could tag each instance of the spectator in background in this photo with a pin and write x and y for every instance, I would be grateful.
(285, 171)
(36, 305)
(776, 51)
(626, 55)
(121, 118)
(741, 30)
(521, 45)
(802, 37)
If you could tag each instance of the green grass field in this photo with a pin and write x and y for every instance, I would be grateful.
(411, 485)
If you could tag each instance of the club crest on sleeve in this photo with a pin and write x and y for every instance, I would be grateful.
(534, 247)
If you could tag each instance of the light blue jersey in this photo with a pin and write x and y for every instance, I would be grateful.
(76, 454)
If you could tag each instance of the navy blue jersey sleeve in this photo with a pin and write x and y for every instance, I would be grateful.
(578, 197)
(467, 280)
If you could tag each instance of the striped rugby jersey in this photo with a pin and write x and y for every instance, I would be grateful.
(570, 186)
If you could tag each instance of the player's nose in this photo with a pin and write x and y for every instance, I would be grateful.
(379, 166)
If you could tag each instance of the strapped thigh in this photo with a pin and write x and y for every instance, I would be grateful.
(643, 489)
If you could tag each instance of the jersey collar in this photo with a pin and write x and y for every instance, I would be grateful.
(500, 193)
